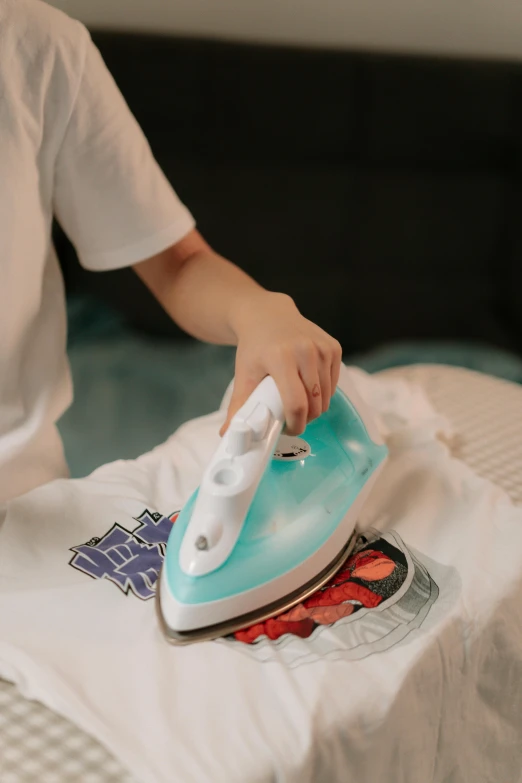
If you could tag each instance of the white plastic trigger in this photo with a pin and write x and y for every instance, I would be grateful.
(238, 438)
(252, 425)
(259, 420)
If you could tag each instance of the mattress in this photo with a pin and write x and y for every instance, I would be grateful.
(37, 745)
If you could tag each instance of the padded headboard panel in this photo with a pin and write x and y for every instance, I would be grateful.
(382, 192)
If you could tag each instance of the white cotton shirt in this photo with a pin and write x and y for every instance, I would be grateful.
(70, 147)
(420, 683)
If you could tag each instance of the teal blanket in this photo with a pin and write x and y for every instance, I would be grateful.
(132, 392)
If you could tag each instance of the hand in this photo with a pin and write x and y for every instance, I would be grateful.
(274, 339)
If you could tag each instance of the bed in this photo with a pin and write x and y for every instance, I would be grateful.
(485, 412)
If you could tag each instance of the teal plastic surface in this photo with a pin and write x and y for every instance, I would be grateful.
(297, 507)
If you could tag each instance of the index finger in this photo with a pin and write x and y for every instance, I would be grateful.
(294, 398)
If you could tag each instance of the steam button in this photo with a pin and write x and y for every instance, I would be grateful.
(239, 438)
(259, 420)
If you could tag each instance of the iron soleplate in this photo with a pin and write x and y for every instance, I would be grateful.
(226, 628)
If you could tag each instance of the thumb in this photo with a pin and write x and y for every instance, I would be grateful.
(243, 388)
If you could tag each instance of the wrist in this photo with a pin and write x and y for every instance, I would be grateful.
(256, 306)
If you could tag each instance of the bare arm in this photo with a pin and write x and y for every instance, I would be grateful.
(201, 291)
(214, 301)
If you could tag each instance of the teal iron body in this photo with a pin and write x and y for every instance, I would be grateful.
(295, 529)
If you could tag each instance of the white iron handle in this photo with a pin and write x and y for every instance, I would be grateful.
(230, 481)
(263, 405)
(267, 393)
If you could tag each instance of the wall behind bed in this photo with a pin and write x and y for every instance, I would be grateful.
(467, 28)
(381, 190)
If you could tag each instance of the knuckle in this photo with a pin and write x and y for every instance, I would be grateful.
(330, 349)
(308, 349)
(284, 354)
(298, 410)
(337, 349)
(296, 415)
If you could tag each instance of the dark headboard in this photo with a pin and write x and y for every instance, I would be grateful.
(382, 192)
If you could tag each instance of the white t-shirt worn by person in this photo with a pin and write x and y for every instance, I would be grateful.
(70, 148)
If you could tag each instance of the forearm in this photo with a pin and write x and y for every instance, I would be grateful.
(215, 301)
(206, 295)
(202, 292)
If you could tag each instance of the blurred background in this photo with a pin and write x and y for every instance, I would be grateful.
(365, 158)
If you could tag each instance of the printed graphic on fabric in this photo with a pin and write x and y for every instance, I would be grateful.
(381, 594)
(130, 558)
(372, 604)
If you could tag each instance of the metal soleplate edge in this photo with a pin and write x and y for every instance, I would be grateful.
(212, 632)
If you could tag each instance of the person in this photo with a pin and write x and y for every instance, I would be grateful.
(72, 149)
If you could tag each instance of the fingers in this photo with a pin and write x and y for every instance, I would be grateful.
(332, 355)
(304, 382)
(306, 374)
(336, 354)
(295, 400)
(315, 379)
(320, 368)
(325, 379)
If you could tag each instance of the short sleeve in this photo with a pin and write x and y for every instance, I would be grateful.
(110, 196)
